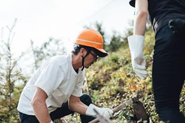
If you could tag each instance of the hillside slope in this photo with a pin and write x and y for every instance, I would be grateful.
(111, 81)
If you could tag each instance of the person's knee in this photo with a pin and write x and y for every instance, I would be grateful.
(86, 99)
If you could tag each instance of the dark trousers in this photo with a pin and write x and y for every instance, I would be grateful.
(168, 74)
(60, 112)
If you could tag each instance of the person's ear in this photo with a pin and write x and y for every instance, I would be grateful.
(83, 51)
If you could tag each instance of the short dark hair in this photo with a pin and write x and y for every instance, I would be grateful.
(77, 48)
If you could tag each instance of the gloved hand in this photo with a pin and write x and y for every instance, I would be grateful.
(138, 62)
(105, 112)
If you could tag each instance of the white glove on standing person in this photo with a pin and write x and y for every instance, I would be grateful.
(136, 43)
(105, 112)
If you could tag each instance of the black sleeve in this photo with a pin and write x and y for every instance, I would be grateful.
(132, 3)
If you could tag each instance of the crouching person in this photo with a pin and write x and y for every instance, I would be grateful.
(55, 89)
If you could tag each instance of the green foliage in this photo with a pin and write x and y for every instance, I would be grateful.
(116, 42)
(112, 81)
(10, 74)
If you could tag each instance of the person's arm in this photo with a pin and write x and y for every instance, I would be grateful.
(141, 7)
(136, 41)
(76, 105)
(39, 105)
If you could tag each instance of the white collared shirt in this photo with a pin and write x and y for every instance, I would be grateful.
(58, 79)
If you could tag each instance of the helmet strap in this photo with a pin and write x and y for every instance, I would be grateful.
(83, 59)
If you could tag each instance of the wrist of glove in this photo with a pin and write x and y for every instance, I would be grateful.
(136, 43)
(105, 112)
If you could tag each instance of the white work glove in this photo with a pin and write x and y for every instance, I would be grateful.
(136, 43)
(105, 112)
(51, 121)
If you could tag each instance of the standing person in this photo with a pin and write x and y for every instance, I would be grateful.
(167, 18)
(55, 89)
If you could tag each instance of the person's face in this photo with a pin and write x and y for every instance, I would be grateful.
(90, 59)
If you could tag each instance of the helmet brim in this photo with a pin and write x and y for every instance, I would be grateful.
(101, 53)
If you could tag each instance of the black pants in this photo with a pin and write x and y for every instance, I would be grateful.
(168, 74)
(60, 112)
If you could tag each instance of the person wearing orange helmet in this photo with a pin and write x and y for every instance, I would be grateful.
(55, 89)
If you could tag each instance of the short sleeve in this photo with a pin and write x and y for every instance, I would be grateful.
(51, 76)
(132, 3)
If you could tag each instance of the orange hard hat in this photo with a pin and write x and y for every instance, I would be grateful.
(91, 38)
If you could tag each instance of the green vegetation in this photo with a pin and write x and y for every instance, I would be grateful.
(10, 75)
(110, 81)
